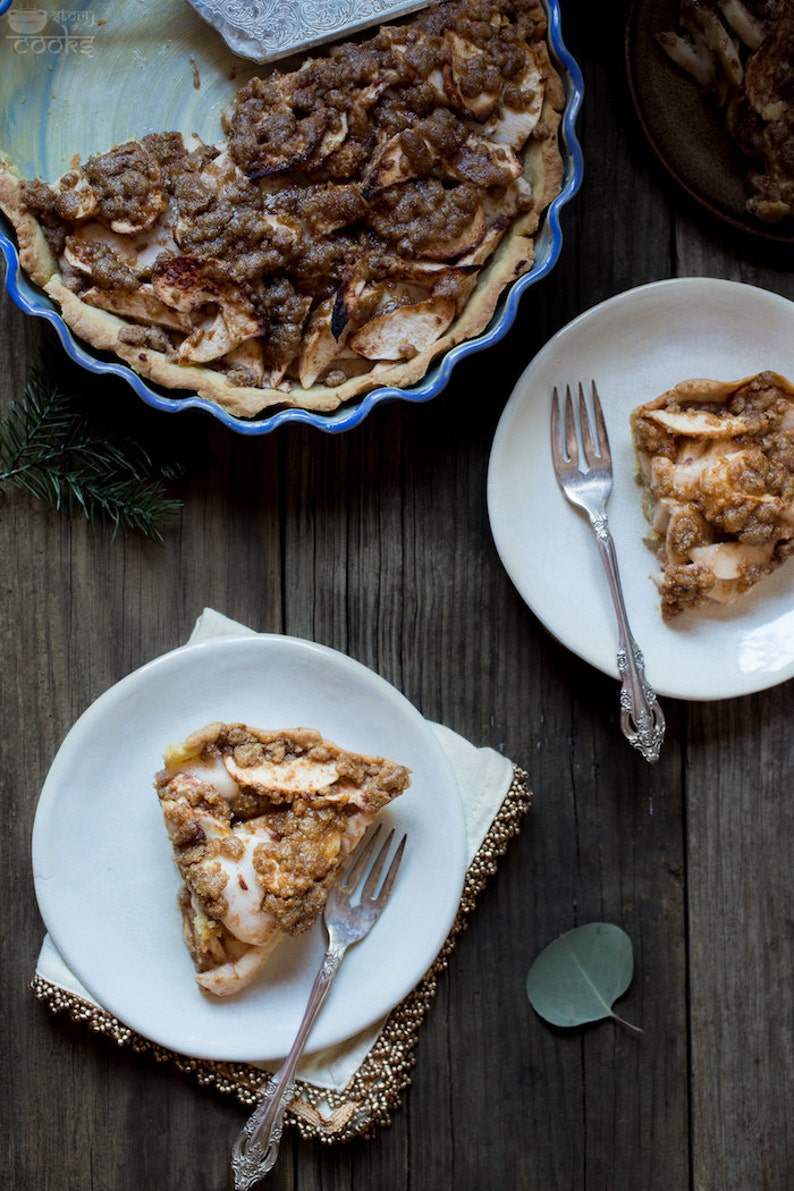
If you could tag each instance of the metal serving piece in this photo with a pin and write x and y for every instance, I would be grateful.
(588, 487)
(264, 30)
(255, 1149)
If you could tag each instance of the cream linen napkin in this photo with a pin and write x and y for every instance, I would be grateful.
(350, 1088)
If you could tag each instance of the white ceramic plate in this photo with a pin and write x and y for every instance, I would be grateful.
(636, 346)
(107, 885)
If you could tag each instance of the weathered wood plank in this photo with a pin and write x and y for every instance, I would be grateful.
(739, 858)
(377, 543)
(740, 826)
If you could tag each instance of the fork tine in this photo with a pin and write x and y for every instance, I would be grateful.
(374, 876)
(377, 868)
(589, 446)
(391, 874)
(360, 860)
(571, 445)
(601, 426)
(556, 436)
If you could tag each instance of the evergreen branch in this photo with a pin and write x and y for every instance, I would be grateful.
(64, 456)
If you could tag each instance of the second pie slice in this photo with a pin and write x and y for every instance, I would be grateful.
(260, 823)
(717, 462)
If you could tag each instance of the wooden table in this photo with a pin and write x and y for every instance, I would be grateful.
(377, 543)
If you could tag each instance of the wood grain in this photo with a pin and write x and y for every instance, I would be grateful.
(377, 542)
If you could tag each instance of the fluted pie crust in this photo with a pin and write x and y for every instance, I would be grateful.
(717, 462)
(363, 215)
(260, 823)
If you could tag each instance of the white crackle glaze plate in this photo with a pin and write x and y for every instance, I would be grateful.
(81, 78)
(107, 885)
(637, 345)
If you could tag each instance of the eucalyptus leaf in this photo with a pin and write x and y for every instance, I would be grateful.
(578, 977)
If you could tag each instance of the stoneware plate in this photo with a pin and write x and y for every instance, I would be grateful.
(636, 346)
(685, 131)
(107, 885)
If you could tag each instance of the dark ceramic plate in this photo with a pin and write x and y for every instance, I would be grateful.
(686, 132)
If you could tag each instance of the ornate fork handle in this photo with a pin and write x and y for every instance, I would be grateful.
(255, 1149)
(641, 718)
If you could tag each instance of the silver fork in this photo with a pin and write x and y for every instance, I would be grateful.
(589, 487)
(255, 1149)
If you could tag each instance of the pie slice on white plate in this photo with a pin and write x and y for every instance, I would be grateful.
(717, 462)
(260, 823)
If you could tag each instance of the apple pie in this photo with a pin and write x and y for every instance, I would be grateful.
(741, 53)
(358, 216)
(717, 462)
(260, 823)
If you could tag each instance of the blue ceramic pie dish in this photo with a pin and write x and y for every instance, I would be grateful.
(95, 73)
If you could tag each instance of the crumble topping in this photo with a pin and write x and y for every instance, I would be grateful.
(340, 230)
(717, 462)
(260, 823)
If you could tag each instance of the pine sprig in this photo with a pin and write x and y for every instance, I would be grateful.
(61, 454)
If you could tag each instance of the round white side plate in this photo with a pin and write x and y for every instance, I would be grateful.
(636, 346)
(107, 884)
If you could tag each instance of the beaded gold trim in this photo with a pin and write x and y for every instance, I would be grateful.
(374, 1092)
